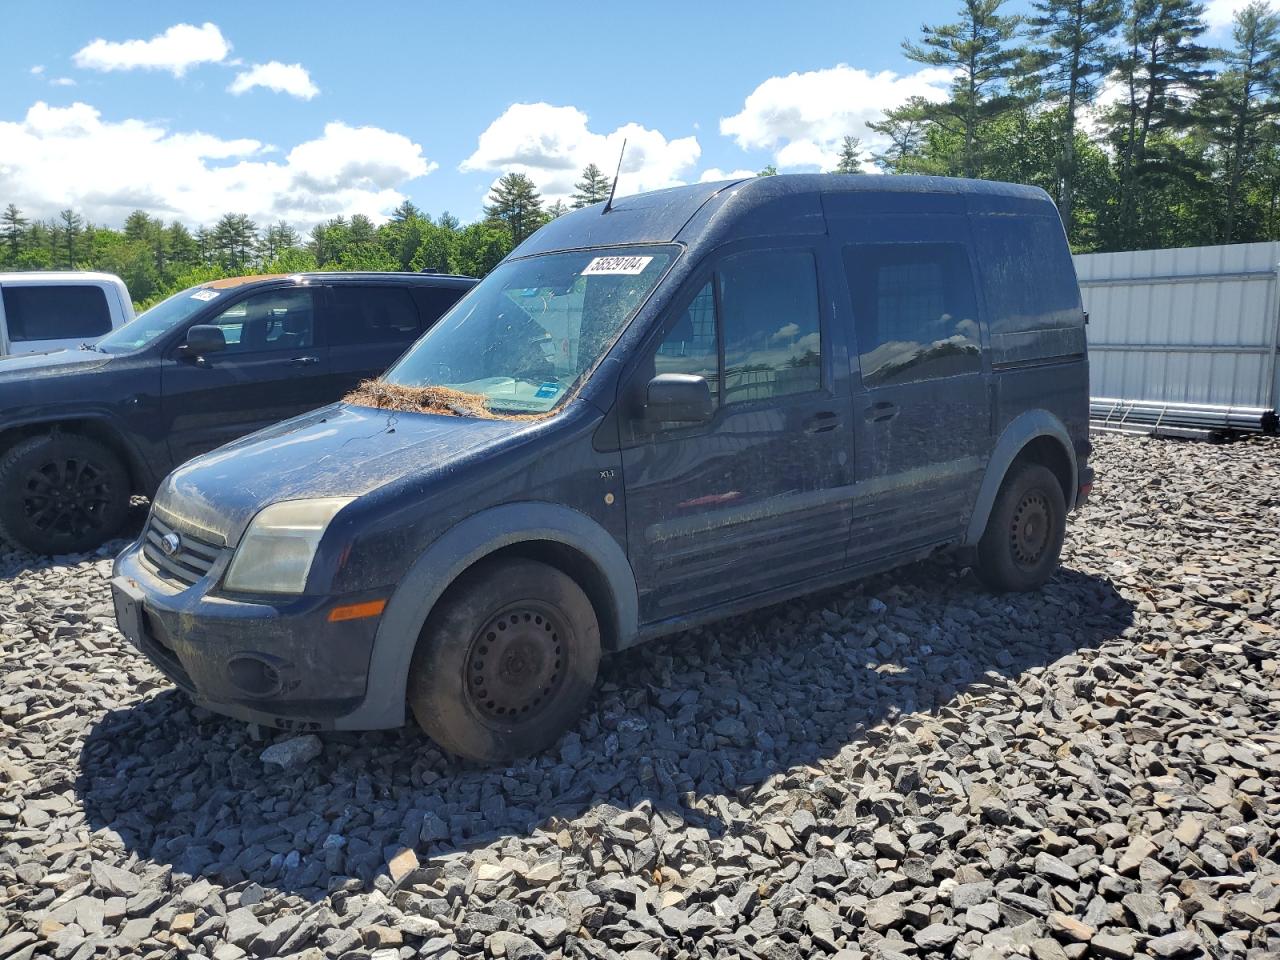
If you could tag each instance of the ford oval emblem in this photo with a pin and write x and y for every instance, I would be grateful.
(170, 543)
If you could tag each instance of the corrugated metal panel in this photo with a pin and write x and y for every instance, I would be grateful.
(1195, 325)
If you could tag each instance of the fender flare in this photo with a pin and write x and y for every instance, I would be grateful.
(444, 560)
(138, 466)
(1021, 430)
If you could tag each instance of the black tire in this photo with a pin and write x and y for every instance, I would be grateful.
(61, 494)
(1020, 548)
(506, 661)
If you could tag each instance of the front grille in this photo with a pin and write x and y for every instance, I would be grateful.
(196, 554)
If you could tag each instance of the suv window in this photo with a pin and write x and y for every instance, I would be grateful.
(691, 346)
(914, 311)
(60, 312)
(273, 320)
(434, 301)
(372, 315)
(769, 315)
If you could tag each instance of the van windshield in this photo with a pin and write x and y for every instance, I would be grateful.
(523, 338)
(157, 321)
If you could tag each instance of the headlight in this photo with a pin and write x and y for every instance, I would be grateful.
(275, 554)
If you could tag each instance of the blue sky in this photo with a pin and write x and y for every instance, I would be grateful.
(344, 109)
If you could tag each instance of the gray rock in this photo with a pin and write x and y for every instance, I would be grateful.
(293, 753)
(936, 936)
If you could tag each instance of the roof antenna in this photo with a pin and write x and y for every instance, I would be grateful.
(609, 203)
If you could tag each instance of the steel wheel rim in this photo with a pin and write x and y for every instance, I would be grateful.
(1031, 528)
(67, 497)
(517, 662)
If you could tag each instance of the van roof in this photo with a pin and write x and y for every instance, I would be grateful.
(785, 204)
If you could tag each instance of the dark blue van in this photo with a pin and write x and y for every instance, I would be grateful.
(693, 403)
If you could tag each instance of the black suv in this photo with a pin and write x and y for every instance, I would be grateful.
(81, 431)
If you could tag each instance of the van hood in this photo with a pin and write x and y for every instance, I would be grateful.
(336, 451)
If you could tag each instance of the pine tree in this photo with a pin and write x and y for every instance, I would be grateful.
(447, 221)
(278, 238)
(234, 239)
(850, 156)
(407, 210)
(14, 230)
(557, 209)
(769, 171)
(592, 188)
(71, 226)
(182, 246)
(979, 49)
(1075, 53)
(1244, 101)
(1162, 70)
(206, 247)
(515, 203)
(904, 128)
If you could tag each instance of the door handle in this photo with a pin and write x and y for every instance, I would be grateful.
(823, 422)
(882, 411)
(304, 361)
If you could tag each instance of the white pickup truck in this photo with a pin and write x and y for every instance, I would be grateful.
(58, 310)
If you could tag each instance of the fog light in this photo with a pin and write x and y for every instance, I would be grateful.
(254, 676)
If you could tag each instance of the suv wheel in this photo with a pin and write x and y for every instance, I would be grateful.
(505, 662)
(61, 494)
(1019, 550)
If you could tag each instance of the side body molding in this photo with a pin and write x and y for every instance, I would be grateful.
(440, 564)
(1021, 430)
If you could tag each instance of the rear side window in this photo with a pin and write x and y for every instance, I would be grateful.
(769, 313)
(1027, 274)
(372, 315)
(433, 302)
(55, 312)
(914, 311)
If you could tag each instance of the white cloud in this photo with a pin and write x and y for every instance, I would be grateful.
(62, 82)
(711, 174)
(37, 70)
(552, 144)
(177, 50)
(803, 117)
(1220, 14)
(57, 157)
(290, 78)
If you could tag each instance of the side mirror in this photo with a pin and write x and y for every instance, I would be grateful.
(203, 338)
(678, 398)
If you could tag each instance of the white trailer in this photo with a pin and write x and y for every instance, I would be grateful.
(1184, 342)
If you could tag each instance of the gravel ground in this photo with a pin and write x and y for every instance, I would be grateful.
(910, 768)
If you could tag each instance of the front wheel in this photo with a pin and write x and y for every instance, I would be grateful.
(506, 661)
(61, 493)
(1020, 548)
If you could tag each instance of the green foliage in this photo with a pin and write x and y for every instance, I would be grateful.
(850, 156)
(979, 49)
(1182, 156)
(592, 188)
(514, 203)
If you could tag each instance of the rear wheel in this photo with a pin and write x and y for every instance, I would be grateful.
(506, 661)
(1021, 546)
(61, 493)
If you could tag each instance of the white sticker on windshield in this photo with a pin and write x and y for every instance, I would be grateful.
(626, 266)
(205, 295)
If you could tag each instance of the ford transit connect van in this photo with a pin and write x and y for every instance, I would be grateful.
(650, 416)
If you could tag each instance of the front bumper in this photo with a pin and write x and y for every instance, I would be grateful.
(281, 664)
